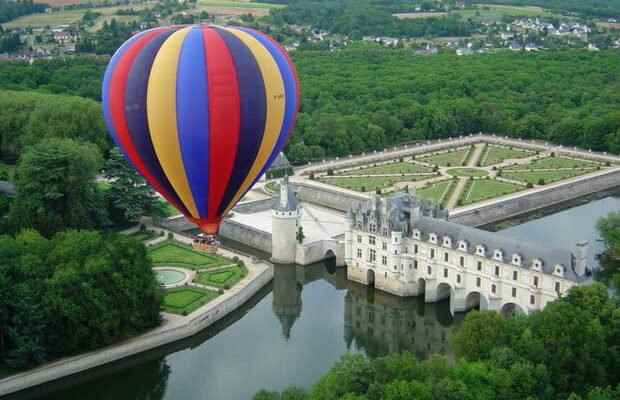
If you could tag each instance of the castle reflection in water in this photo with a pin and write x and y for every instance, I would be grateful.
(374, 321)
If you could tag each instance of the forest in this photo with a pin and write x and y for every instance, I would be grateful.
(568, 351)
(11, 9)
(360, 18)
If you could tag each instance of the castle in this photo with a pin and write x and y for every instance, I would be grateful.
(406, 246)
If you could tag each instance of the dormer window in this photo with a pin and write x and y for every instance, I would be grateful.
(558, 270)
(447, 242)
(416, 234)
(498, 255)
(516, 259)
(432, 238)
(385, 232)
(463, 245)
(480, 250)
(537, 264)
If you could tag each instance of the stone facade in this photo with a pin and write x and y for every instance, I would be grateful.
(406, 246)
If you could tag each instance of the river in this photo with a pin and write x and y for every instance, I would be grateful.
(292, 331)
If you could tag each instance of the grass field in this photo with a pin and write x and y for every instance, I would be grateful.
(371, 183)
(452, 158)
(484, 189)
(436, 191)
(389, 168)
(546, 176)
(495, 12)
(176, 254)
(497, 154)
(143, 235)
(223, 278)
(185, 300)
(63, 17)
(556, 163)
(239, 4)
(475, 172)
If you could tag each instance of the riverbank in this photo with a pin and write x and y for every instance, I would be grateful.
(173, 328)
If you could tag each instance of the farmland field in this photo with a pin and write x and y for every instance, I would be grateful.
(495, 12)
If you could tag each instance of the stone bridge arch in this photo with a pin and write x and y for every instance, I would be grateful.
(510, 308)
(476, 300)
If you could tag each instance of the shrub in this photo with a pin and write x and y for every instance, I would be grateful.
(494, 168)
(552, 154)
(184, 313)
(529, 185)
(541, 181)
(448, 164)
(311, 177)
(226, 286)
(378, 191)
(607, 164)
(235, 259)
(170, 235)
(241, 263)
(330, 172)
(220, 291)
(142, 227)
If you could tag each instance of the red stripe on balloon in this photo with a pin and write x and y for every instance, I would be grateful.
(224, 117)
(118, 85)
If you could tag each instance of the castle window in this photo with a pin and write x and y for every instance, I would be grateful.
(415, 264)
(372, 228)
(359, 238)
(395, 268)
(386, 275)
(537, 264)
(405, 250)
(478, 282)
(359, 253)
(515, 275)
(514, 292)
(557, 287)
(479, 265)
(458, 278)
(432, 238)
(447, 241)
(498, 255)
(395, 252)
(416, 234)
(372, 255)
(516, 259)
(371, 240)
(432, 253)
(445, 272)
(384, 245)
(532, 300)
(497, 271)
(493, 288)
(383, 260)
(430, 270)
(385, 232)
(415, 249)
(535, 281)
(445, 256)
(463, 245)
(462, 261)
(559, 270)
(480, 250)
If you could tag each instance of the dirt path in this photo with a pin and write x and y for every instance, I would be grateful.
(456, 194)
(473, 160)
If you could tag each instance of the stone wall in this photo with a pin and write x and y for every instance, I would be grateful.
(547, 196)
(328, 197)
(247, 235)
(254, 206)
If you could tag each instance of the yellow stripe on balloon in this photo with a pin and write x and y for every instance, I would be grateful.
(161, 114)
(275, 101)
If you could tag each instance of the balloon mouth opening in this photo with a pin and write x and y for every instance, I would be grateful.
(209, 228)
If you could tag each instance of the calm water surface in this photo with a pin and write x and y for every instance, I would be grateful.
(296, 328)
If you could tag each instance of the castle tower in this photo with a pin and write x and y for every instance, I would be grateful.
(284, 217)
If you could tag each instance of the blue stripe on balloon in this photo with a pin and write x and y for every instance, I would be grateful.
(252, 113)
(290, 88)
(135, 110)
(192, 110)
(105, 91)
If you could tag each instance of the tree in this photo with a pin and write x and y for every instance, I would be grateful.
(56, 188)
(129, 197)
(480, 333)
(300, 234)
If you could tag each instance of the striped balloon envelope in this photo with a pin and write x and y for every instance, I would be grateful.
(201, 112)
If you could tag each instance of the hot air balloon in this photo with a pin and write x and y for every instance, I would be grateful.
(201, 112)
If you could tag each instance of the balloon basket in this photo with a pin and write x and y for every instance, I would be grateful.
(205, 243)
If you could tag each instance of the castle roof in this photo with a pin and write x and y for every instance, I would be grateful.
(289, 203)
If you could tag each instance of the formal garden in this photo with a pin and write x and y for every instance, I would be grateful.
(212, 274)
(463, 175)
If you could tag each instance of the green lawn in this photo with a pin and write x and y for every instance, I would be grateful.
(389, 168)
(495, 12)
(483, 189)
(475, 172)
(176, 254)
(451, 158)
(435, 191)
(223, 278)
(185, 300)
(238, 4)
(366, 184)
(496, 154)
(143, 235)
(556, 163)
(547, 176)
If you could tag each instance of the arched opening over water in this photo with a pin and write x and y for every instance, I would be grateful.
(476, 301)
(370, 277)
(444, 291)
(421, 286)
(330, 261)
(510, 309)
